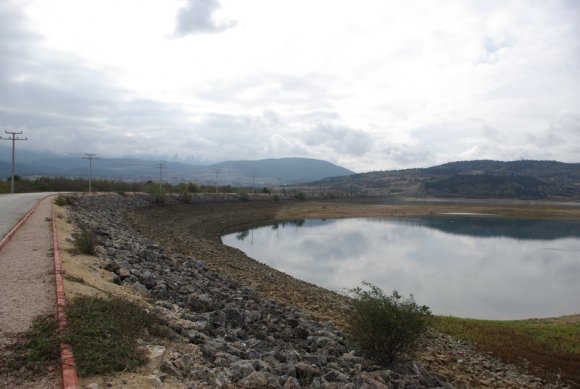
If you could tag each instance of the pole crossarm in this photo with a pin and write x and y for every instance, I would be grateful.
(13, 138)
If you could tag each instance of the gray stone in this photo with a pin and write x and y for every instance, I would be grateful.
(259, 380)
(233, 317)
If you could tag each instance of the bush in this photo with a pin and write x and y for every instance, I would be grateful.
(186, 197)
(244, 196)
(385, 326)
(300, 196)
(84, 241)
(62, 200)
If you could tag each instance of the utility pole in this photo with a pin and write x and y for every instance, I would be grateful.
(90, 157)
(253, 184)
(217, 178)
(13, 138)
(160, 166)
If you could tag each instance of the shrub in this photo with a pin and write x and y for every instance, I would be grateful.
(300, 196)
(84, 241)
(244, 196)
(62, 200)
(385, 326)
(185, 197)
(159, 198)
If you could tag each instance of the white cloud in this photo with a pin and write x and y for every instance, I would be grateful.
(379, 85)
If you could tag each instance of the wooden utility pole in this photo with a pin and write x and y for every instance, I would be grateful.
(90, 157)
(160, 166)
(217, 178)
(13, 138)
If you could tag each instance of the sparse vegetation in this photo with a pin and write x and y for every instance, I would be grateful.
(545, 348)
(300, 196)
(30, 354)
(384, 326)
(244, 196)
(158, 194)
(62, 200)
(103, 334)
(84, 241)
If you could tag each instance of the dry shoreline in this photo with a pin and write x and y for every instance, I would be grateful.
(196, 229)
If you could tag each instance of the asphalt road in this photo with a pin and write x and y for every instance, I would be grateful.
(14, 206)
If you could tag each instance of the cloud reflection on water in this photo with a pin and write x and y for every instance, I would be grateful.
(464, 266)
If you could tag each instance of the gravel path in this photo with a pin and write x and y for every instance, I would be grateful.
(27, 282)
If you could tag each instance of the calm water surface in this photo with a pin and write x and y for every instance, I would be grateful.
(482, 267)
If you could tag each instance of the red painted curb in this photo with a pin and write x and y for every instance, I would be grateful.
(17, 226)
(67, 360)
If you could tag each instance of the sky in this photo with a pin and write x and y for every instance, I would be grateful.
(369, 85)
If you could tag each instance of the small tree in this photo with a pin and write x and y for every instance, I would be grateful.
(385, 326)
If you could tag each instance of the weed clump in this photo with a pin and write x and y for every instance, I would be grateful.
(84, 241)
(103, 334)
(384, 326)
(62, 200)
(32, 353)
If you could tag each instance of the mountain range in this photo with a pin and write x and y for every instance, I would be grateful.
(266, 172)
(525, 179)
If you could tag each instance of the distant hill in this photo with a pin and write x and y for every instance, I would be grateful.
(290, 170)
(470, 179)
(266, 172)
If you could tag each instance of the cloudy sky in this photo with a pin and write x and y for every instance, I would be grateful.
(370, 85)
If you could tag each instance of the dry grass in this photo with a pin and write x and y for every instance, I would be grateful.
(547, 348)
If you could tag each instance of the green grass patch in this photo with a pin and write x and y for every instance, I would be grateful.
(545, 348)
(103, 334)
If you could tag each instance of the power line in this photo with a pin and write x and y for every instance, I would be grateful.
(90, 157)
(13, 138)
(160, 166)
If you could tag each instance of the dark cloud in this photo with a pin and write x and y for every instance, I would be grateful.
(198, 17)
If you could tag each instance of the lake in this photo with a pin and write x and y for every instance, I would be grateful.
(460, 265)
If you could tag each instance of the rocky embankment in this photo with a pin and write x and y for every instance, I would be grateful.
(248, 340)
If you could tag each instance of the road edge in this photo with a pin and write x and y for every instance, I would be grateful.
(67, 361)
(6, 238)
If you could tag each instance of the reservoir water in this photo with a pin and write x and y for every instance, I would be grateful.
(461, 265)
